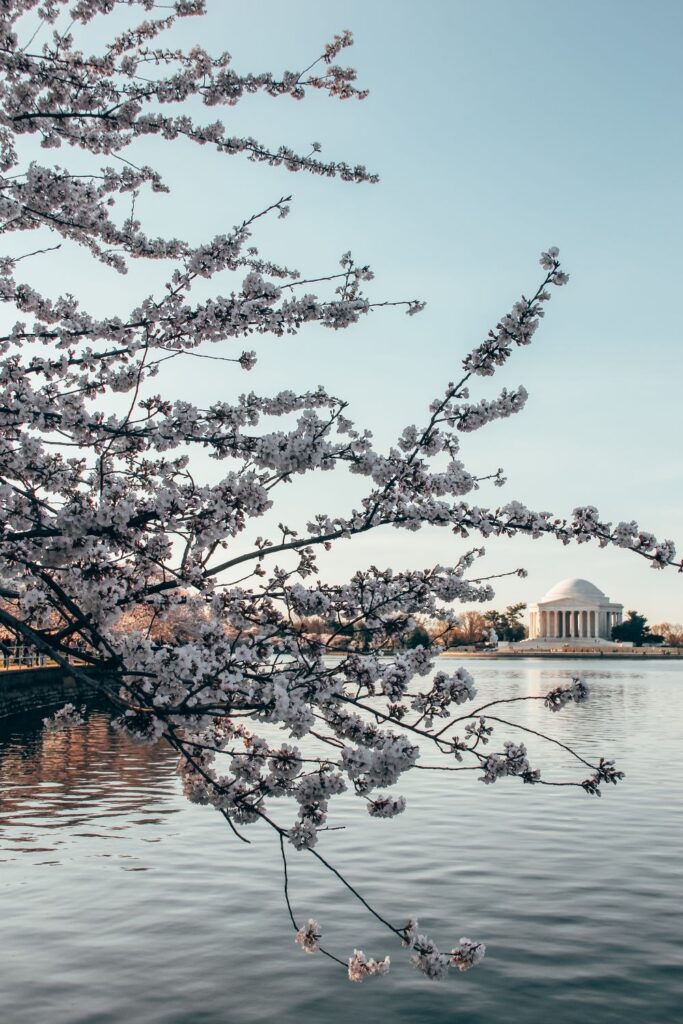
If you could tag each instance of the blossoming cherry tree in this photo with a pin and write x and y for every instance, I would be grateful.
(109, 533)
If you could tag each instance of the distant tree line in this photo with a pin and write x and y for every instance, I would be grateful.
(475, 628)
(671, 633)
(472, 629)
(634, 629)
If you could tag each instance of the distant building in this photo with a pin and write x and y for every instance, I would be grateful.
(574, 611)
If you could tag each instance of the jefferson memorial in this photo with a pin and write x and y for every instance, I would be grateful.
(574, 611)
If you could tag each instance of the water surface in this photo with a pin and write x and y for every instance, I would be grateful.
(119, 902)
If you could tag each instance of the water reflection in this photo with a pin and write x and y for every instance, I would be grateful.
(587, 673)
(120, 902)
(85, 782)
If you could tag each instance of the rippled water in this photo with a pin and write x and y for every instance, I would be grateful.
(119, 902)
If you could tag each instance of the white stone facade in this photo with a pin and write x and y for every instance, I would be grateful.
(574, 611)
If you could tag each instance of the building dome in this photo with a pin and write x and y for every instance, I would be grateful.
(575, 589)
(574, 611)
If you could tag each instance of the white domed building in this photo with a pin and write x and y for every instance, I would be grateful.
(574, 611)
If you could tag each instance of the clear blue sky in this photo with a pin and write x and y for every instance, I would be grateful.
(498, 128)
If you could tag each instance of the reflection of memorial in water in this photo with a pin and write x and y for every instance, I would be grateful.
(89, 777)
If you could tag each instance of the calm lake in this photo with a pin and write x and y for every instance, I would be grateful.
(120, 903)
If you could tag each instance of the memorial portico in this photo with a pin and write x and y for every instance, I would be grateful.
(575, 611)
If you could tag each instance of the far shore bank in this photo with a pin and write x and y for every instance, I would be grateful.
(569, 652)
(632, 653)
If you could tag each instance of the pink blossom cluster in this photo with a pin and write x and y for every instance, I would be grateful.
(66, 717)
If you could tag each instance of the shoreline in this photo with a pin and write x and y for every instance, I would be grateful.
(568, 653)
(673, 654)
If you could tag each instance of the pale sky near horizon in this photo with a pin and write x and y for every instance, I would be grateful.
(498, 128)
